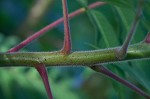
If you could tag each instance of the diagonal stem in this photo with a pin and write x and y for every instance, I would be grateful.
(67, 37)
(52, 25)
(43, 73)
(121, 53)
(105, 71)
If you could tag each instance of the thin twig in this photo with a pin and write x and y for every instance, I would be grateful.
(67, 36)
(52, 25)
(121, 53)
(43, 73)
(105, 71)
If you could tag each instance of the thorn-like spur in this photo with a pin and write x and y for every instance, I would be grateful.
(43, 73)
(147, 38)
(121, 52)
(105, 71)
(67, 37)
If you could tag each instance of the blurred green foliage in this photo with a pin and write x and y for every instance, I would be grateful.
(103, 27)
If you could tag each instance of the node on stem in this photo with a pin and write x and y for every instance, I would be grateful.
(121, 52)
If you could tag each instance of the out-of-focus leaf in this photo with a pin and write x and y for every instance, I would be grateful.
(92, 46)
(60, 89)
(136, 73)
(8, 42)
(109, 35)
(127, 16)
(84, 3)
(146, 15)
(121, 3)
(5, 83)
(106, 29)
(1, 37)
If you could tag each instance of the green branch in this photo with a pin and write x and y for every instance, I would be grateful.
(136, 51)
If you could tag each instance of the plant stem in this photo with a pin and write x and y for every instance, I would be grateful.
(43, 73)
(67, 38)
(105, 71)
(136, 51)
(52, 25)
(121, 53)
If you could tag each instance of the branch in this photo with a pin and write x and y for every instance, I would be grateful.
(136, 51)
(121, 53)
(43, 73)
(67, 43)
(105, 71)
(67, 38)
(52, 25)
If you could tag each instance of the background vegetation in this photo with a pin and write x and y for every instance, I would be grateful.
(103, 27)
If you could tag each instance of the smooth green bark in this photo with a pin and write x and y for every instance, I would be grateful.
(136, 51)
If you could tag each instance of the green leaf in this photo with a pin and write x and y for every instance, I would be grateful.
(135, 72)
(120, 3)
(107, 32)
(83, 3)
(126, 16)
(146, 15)
(5, 83)
(110, 39)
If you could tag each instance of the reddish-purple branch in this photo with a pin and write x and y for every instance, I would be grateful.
(121, 53)
(67, 36)
(50, 26)
(110, 74)
(67, 44)
(91, 6)
(43, 73)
